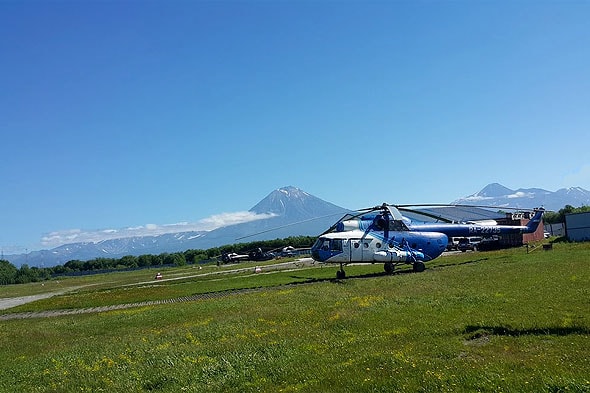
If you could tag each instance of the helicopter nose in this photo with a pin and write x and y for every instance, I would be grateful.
(315, 254)
(318, 254)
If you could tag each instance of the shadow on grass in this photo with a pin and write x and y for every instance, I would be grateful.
(308, 280)
(474, 332)
(442, 265)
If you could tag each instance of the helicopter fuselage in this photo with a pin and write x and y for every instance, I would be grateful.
(358, 246)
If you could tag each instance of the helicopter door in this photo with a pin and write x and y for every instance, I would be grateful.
(368, 251)
(355, 250)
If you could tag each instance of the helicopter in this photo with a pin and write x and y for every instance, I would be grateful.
(382, 234)
(254, 255)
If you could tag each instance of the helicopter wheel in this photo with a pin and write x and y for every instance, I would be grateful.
(419, 266)
(388, 267)
(340, 274)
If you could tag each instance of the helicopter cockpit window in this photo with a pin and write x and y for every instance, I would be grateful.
(336, 245)
(323, 244)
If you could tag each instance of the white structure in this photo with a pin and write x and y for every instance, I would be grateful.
(557, 229)
(577, 227)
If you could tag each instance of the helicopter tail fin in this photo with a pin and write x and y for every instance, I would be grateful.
(532, 225)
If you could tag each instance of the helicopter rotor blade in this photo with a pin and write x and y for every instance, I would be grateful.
(437, 217)
(464, 205)
(393, 211)
(287, 225)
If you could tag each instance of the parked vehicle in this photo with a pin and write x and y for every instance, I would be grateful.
(452, 244)
(489, 243)
(468, 243)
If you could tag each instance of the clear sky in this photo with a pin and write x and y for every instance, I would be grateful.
(118, 117)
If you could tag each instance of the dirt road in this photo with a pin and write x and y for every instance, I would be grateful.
(17, 301)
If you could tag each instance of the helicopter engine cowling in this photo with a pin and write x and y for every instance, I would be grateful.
(391, 256)
(348, 225)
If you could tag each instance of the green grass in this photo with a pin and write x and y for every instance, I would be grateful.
(503, 321)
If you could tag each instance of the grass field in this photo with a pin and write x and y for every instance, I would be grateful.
(505, 321)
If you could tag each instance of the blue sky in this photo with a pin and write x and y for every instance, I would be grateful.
(122, 117)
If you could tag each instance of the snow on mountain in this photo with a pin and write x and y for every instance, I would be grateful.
(291, 203)
(491, 191)
(497, 195)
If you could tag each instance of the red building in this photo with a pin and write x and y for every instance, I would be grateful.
(519, 239)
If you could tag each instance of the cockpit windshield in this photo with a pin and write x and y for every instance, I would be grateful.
(318, 243)
(327, 244)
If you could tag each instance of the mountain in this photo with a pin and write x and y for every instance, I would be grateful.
(114, 248)
(293, 204)
(497, 195)
(296, 213)
(292, 212)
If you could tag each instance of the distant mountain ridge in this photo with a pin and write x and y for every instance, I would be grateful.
(293, 212)
(113, 248)
(287, 207)
(495, 194)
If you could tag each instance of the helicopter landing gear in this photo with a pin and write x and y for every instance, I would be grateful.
(389, 267)
(341, 274)
(419, 266)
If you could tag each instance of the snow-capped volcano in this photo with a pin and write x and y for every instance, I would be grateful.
(291, 203)
(294, 213)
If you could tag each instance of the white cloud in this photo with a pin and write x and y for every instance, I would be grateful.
(477, 198)
(520, 194)
(58, 238)
(225, 219)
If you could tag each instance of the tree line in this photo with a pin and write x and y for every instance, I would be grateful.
(10, 274)
(559, 216)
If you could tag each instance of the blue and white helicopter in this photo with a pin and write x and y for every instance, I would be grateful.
(382, 234)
